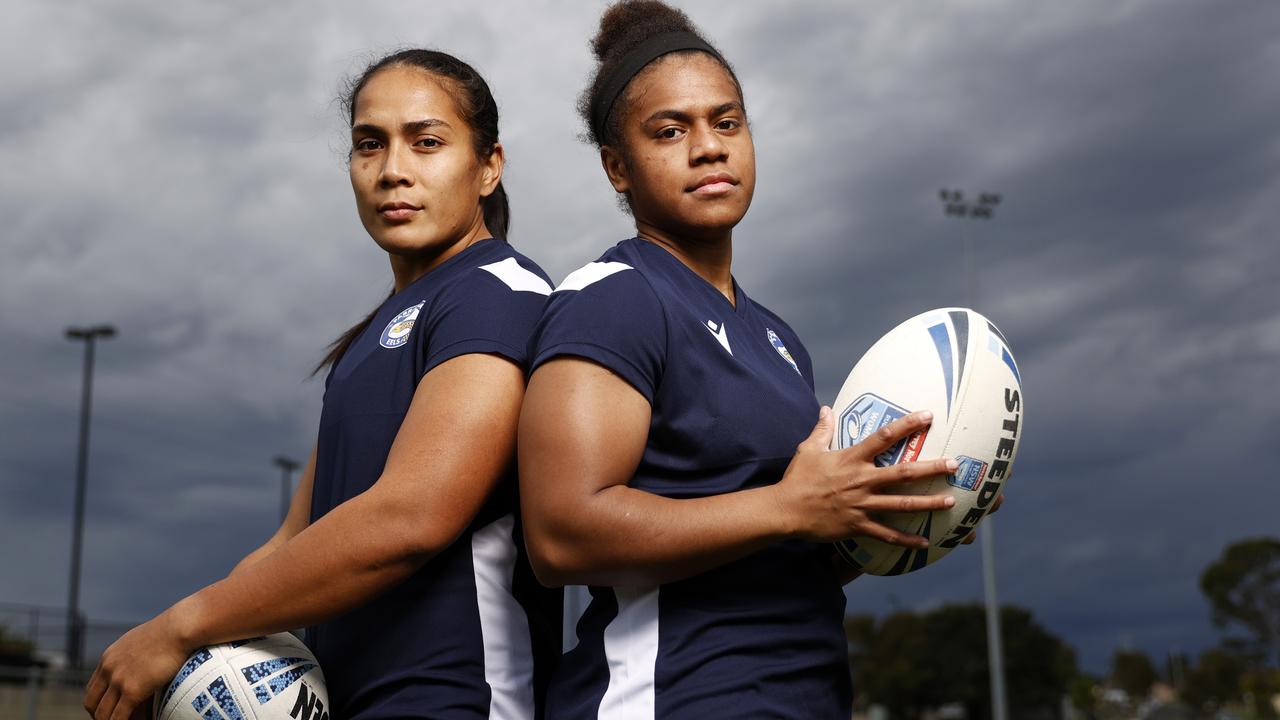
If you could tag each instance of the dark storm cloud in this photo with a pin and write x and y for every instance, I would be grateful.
(180, 173)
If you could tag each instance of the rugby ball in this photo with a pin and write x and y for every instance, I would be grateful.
(954, 362)
(267, 678)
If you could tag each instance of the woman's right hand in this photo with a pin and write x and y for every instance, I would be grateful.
(831, 495)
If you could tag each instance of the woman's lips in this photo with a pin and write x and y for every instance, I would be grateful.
(398, 211)
(715, 188)
(714, 184)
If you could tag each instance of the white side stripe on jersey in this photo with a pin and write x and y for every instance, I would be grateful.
(590, 273)
(517, 278)
(504, 628)
(631, 649)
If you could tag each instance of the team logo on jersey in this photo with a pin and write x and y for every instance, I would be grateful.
(721, 334)
(776, 342)
(397, 331)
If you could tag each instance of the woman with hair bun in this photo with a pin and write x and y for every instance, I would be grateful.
(668, 453)
(402, 547)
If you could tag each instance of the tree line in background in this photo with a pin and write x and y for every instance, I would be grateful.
(913, 663)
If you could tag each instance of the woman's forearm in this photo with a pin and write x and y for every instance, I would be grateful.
(333, 566)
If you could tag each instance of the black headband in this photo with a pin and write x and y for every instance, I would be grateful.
(633, 62)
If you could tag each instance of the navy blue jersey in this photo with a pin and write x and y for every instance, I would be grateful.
(459, 638)
(731, 392)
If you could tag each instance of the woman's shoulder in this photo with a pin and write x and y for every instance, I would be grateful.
(499, 266)
(608, 312)
(493, 276)
(618, 275)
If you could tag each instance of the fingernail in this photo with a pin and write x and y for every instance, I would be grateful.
(949, 502)
(952, 465)
(926, 415)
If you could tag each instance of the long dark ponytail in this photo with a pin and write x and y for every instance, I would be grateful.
(475, 105)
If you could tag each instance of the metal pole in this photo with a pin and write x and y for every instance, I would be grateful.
(74, 634)
(995, 643)
(77, 527)
(287, 466)
(33, 692)
(285, 488)
(971, 282)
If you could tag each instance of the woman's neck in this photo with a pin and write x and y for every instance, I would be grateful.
(711, 257)
(406, 269)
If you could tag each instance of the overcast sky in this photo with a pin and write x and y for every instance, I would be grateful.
(177, 169)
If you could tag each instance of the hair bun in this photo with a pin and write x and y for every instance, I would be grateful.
(628, 23)
(626, 26)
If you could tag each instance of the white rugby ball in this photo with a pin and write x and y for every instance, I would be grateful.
(267, 678)
(954, 362)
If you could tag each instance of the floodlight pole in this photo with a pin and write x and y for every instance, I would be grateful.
(995, 644)
(954, 205)
(75, 641)
(287, 466)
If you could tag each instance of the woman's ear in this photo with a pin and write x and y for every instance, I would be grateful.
(615, 166)
(491, 170)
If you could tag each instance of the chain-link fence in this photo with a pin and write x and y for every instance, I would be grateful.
(38, 693)
(37, 681)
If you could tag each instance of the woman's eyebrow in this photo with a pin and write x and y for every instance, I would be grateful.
(685, 116)
(420, 125)
(413, 126)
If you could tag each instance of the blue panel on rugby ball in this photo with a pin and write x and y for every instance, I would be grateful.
(267, 678)
(954, 362)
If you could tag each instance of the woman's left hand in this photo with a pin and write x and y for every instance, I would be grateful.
(133, 669)
(847, 574)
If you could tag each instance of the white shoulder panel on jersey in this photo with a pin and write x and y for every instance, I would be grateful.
(591, 273)
(517, 278)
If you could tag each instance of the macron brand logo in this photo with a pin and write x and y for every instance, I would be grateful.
(720, 333)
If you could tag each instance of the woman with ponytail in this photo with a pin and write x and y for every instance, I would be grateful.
(401, 549)
(669, 456)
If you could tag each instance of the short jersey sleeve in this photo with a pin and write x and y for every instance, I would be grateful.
(491, 309)
(608, 313)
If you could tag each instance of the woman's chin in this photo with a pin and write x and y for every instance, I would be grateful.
(716, 223)
(407, 244)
